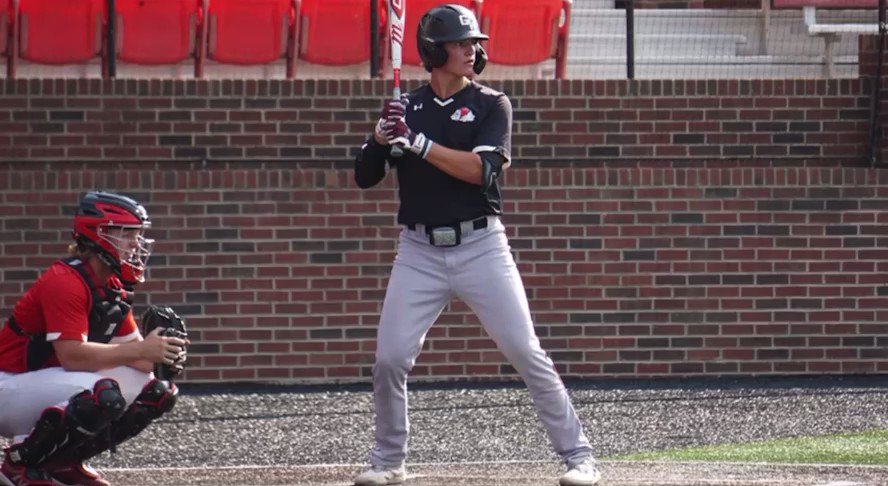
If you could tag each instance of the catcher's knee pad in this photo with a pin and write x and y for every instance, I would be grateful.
(57, 430)
(92, 411)
(156, 399)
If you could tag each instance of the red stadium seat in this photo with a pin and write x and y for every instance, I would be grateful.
(527, 32)
(337, 32)
(5, 31)
(157, 32)
(252, 32)
(415, 10)
(5, 15)
(61, 31)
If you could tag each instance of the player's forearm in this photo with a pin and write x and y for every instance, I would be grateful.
(370, 164)
(88, 356)
(465, 166)
(142, 365)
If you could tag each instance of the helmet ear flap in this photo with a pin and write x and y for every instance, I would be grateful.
(439, 55)
(432, 54)
(480, 59)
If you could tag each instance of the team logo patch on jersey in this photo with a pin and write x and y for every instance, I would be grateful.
(463, 115)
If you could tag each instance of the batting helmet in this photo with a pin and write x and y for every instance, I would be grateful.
(448, 23)
(113, 226)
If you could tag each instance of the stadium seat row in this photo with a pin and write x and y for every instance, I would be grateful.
(194, 34)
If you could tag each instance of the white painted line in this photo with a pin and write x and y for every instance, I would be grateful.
(739, 463)
(312, 466)
(553, 462)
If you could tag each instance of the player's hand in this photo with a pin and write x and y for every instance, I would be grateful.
(397, 132)
(393, 110)
(162, 349)
(379, 132)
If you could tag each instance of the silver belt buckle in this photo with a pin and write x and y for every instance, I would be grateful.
(444, 236)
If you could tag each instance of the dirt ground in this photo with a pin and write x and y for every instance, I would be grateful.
(616, 473)
(489, 435)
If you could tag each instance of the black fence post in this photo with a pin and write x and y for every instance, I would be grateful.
(875, 122)
(110, 44)
(630, 39)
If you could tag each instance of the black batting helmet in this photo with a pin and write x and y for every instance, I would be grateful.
(448, 23)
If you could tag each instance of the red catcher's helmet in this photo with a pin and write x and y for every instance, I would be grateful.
(113, 227)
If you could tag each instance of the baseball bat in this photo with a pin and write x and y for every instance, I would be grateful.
(396, 34)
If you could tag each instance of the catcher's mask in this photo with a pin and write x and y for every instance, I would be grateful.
(113, 227)
(448, 23)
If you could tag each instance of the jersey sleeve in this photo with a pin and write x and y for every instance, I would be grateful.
(370, 163)
(127, 331)
(495, 133)
(64, 302)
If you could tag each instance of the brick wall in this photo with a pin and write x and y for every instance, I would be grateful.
(662, 228)
(323, 122)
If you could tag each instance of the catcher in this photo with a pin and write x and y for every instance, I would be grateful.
(77, 377)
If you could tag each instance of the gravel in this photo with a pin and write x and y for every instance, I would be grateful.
(286, 426)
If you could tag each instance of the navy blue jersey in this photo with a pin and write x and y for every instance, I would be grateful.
(475, 119)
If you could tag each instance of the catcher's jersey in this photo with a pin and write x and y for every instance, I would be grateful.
(56, 305)
(476, 119)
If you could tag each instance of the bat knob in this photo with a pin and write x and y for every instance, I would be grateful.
(396, 151)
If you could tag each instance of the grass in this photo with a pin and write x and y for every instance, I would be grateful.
(870, 448)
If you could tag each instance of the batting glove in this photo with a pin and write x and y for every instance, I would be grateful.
(397, 132)
(393, 110)
(379, 131)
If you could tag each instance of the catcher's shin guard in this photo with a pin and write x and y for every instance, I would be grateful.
(58, 430)
(156, 399)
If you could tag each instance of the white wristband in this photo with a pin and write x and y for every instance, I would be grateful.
(421, 145)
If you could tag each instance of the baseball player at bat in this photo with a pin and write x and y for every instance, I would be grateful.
(456, 136)
(77, 377)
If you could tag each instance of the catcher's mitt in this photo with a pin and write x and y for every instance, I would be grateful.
(173, 326)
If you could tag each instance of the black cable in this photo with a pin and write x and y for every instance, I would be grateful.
(875, 122)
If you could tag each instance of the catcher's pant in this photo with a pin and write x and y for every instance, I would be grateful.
(24, 396)
(482, 273)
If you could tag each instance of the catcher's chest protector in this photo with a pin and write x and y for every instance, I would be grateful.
(107, 310)
(109, 306)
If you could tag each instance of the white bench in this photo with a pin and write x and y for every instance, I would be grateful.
(659, 45)
(830, 32)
